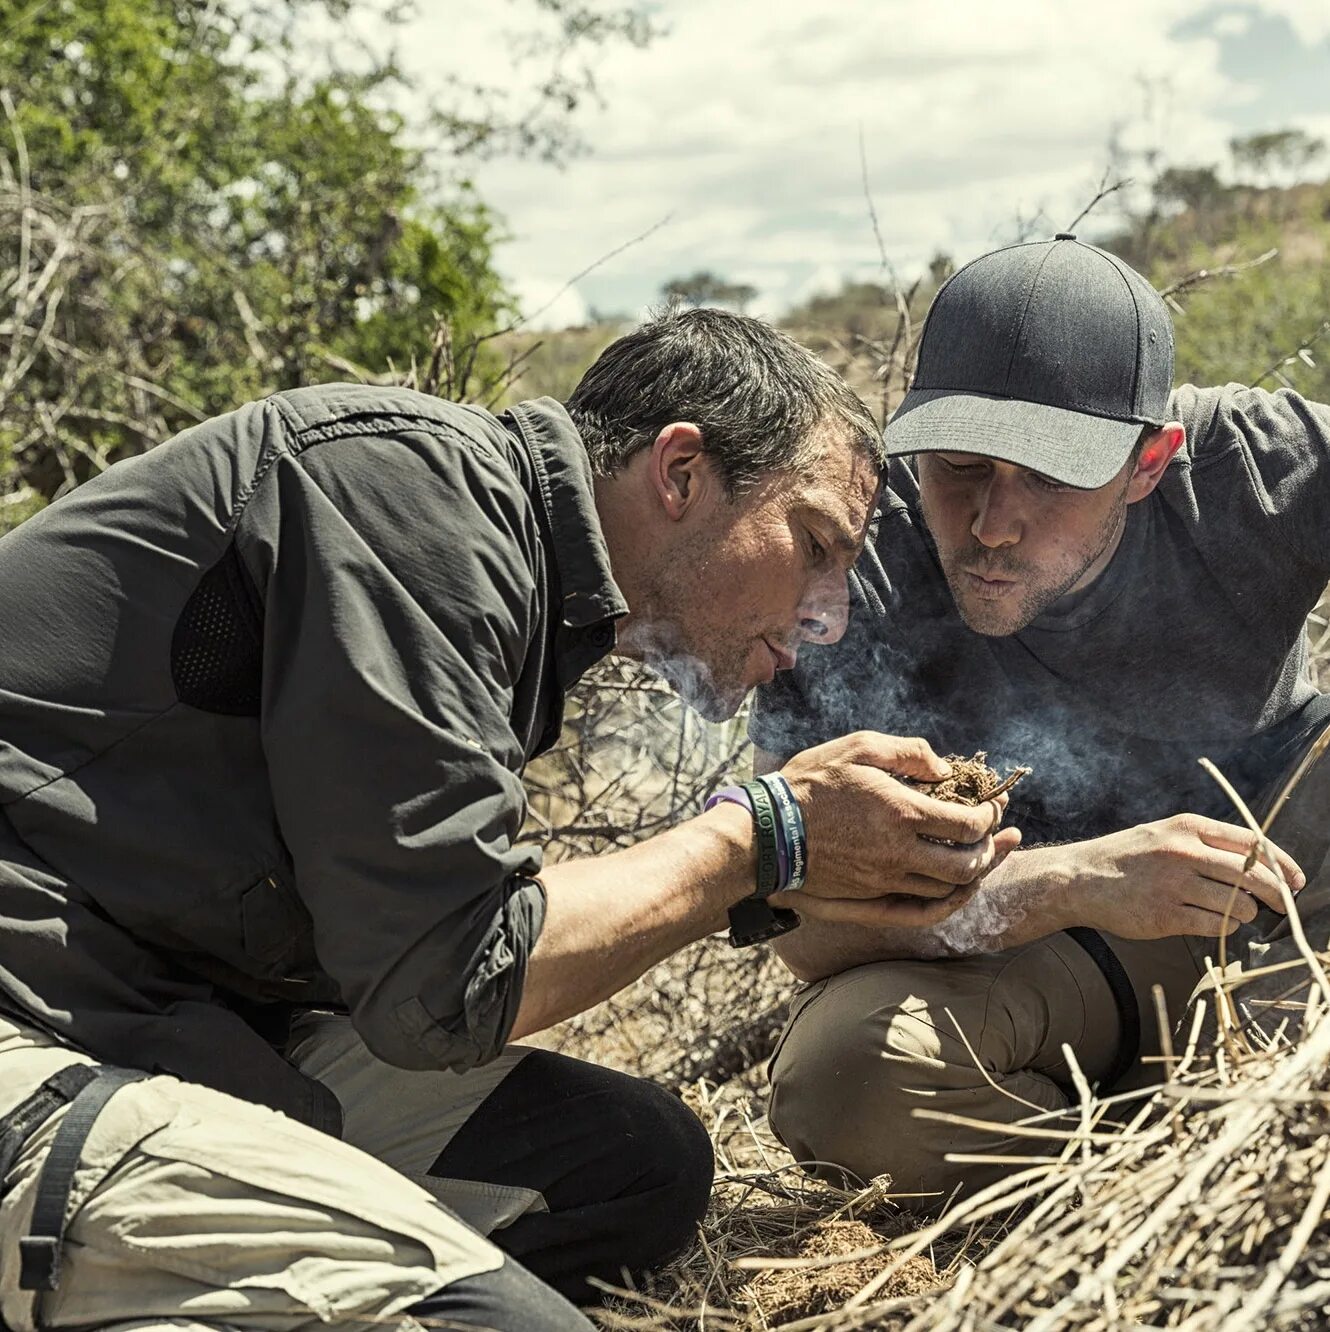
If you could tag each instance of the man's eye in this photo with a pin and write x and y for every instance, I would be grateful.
(1047, 483)
(958, 468)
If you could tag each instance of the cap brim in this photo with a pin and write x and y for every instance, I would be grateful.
(1071, 447)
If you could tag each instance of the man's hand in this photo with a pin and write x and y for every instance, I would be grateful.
(881, 853)
(1183, 875)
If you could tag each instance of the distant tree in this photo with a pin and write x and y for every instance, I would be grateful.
(1235, 319)
(1286, 152)
(1194, 187)
(706, 288)
(940, 267)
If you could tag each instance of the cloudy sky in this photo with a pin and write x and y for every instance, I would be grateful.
(741, 124)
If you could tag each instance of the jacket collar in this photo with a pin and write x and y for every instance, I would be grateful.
(590, 598)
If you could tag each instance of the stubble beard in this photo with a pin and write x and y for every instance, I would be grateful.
(999, 621)
(659, 640)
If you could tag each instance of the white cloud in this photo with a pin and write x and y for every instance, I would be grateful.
(1310, 19)
(1235, 23)
(546, 304)
(742, 124)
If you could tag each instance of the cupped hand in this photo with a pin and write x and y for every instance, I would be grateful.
(881, 852)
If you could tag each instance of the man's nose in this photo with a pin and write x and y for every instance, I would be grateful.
(997, 522)
(825, 613)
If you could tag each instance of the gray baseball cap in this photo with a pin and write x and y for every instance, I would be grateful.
(1053, 355)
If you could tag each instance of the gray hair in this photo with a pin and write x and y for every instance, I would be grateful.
(762, 402)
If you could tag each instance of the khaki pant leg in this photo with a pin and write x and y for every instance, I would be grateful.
(864, 1050)
(406, 1117)
(189, 1204)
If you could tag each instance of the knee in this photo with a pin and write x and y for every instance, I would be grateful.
(642, 1157)
(847, 1080)
(673, 1185)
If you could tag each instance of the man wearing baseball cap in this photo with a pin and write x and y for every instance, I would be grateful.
(1076, 568)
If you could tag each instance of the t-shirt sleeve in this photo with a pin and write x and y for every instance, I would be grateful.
(1285, 441)
(400, 601)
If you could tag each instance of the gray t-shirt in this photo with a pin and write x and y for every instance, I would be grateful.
(1190, 643)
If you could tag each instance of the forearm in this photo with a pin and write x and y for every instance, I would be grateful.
(1023, 899)
(610, 918)
(823, 948)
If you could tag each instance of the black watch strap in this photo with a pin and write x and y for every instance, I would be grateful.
(754, 921)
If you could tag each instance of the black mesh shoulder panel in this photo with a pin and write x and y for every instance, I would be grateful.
(217, 647)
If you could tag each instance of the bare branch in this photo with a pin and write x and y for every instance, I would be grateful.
(252, 328)
(1210, 274)
(441, 371)
(1302, 352)
(1105, 190)
(904, 333)
(872, 209)
(491, 393)
(585, 272)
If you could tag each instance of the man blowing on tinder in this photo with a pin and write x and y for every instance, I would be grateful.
(1076, 568)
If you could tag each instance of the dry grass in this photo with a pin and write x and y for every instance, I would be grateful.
(779, 1249)
(1202, 1206)
(1203, 1210)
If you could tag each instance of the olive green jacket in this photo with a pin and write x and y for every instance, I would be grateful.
(266, 695)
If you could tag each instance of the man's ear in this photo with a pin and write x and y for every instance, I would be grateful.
(678, 471)
(1154, 460)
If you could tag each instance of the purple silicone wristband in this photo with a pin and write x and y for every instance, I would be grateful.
(736, 795)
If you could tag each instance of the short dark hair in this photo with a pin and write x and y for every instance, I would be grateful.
(757, 396)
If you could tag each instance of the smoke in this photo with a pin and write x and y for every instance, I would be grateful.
(1093, 772)
(981, 925)
(657, 645)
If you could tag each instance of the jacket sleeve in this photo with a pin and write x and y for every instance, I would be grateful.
(400, 575)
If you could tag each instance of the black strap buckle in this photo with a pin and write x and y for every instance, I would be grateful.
(39, 1262)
